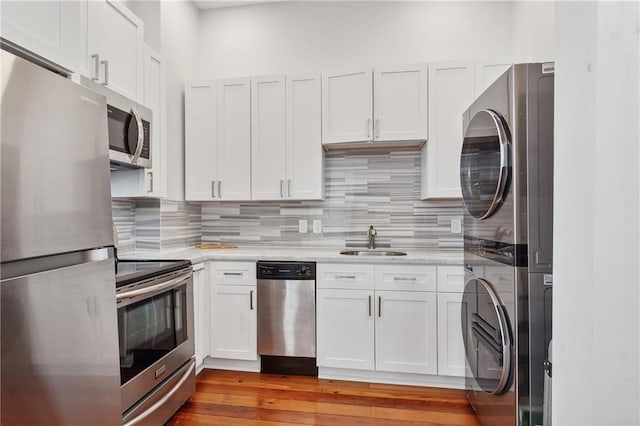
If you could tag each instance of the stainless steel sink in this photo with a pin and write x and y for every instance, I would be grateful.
(372, 253)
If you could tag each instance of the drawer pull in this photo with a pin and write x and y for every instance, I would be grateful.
(404, 278)
(233, 274)
(345, 277)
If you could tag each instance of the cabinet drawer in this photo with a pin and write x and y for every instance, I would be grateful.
(451, 279)
(233, 273)
(344, 276)
(405, 277)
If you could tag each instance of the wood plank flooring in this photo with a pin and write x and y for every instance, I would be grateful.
(238, 398)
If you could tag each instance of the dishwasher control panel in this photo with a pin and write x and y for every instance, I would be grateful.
(286, 270)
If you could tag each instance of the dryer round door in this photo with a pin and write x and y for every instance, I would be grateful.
(487, 337)
(485, 164)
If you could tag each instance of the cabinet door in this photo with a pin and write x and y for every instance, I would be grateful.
(154, 98)
(200, 141)
(347, 107)
(234, 139)
(400, 103)
(233, 322)
(151, 182)
(305, 156)
(53, 29)
(345, 329)
(451, 353)
(488, 71)
(406, 332)
(117, 35)
(268, 138)
(450, 94)
(202, 313)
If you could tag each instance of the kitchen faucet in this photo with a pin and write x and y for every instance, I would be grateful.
(372, 237)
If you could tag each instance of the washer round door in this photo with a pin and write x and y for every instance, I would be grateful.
(487, 341)
(485, 164)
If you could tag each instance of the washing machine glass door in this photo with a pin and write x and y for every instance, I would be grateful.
(488, 341)
(485, 164)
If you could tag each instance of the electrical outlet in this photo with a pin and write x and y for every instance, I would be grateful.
(456, 226)
(302, 226)
(317, 226)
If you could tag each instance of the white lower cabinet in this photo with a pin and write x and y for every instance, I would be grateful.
(451, 352)
(233, 311)
(345, 329)
(406, 332)
(201, 311)
(360, 327)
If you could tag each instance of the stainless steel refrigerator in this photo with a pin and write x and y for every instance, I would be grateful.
(59, 342)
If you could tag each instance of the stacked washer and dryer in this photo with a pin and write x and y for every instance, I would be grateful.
(506, 176)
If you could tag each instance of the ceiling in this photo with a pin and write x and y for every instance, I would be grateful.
(215, 4)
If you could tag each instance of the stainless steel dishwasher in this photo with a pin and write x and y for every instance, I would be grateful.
(287, 317)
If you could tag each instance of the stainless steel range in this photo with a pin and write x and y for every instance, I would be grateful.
(155, 330)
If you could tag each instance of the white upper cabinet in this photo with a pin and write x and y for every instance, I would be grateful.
(115, 38)
(268, 153)
(400, 103)
(53, 29)
(388, 104)
(286, 150)
(488, 71)
(201, 141)
(148, 182)
(451, 91)
(347, 106)
(305, 156)
(234, 139)
(154, 97)
(218, 140)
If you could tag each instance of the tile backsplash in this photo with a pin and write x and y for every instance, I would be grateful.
(362, 188)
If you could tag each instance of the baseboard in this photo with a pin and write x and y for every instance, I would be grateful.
(392, 378)
(232, 364)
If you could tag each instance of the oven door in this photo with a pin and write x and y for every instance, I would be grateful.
(155, 330)
(485, 165)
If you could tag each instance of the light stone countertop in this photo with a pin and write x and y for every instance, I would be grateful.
(424, 257)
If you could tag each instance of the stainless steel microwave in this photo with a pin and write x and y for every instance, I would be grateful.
(129, 128)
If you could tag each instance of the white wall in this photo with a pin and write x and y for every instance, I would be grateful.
(149, 12)
(179, 31)
(533, 30)
(596, 302)
(317, 36)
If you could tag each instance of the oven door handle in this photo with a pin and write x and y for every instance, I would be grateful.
(165, 285)
(146, 413)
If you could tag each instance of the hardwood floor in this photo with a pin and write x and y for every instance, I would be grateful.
(239, 398)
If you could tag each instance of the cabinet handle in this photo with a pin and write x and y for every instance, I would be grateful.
(219, 189)
(213, 189)
(105, 81)
(379, 306)
(150, 174)
(235, 274)
(376, 129)
(289, 187)
(281, 188)
(251, 300)
(96, 67)
(369, 305)
(368, 128)
(345, 277)
(404, 278)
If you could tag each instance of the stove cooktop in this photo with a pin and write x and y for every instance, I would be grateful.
(130, 271)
